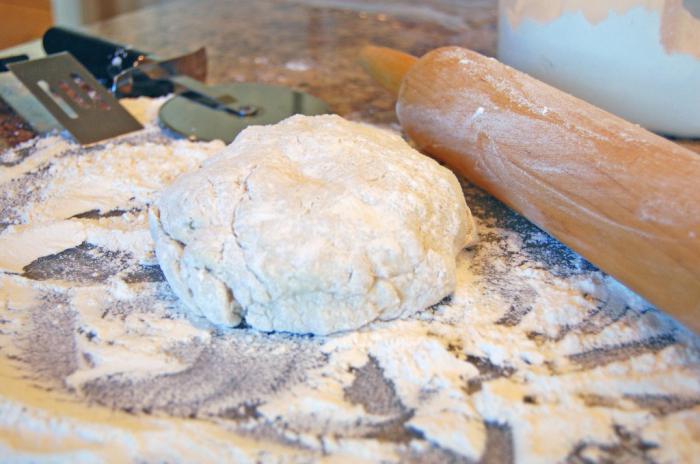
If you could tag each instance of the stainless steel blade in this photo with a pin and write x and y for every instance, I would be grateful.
(73, 96)
(193, 65)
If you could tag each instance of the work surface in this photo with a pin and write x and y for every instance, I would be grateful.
(536, 356)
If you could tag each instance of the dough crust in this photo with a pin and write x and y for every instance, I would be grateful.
(313, 225)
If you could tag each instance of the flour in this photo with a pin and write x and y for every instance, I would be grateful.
(535, 357)
(23, 244)
(298, 65)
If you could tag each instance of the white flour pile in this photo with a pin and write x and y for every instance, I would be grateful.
(537, 356)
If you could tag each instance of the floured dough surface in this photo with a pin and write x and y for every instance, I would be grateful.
(313, 225)
(98, 360)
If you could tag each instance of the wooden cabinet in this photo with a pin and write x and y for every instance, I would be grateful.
(23, 20)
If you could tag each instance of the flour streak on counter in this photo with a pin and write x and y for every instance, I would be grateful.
(536, 357)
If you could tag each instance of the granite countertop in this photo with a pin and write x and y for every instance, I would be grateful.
(536, 357)
(311, 45)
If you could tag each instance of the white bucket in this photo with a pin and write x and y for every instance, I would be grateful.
(637, 59)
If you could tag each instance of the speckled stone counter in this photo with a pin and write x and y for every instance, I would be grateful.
(536, 357)
(308, 44)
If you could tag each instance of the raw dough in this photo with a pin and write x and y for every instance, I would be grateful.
(313, 225)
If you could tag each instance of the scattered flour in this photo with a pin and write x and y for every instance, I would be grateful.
(298, 65)
(536, 357)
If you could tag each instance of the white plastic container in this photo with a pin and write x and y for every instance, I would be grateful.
(637, 59)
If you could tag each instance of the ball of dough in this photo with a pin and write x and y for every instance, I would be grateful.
(313, 225)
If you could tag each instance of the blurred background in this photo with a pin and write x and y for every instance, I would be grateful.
(24, 20)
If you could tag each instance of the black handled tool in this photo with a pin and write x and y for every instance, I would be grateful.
(102, 58)
(107, 60)
(4, 61)
(197, 111)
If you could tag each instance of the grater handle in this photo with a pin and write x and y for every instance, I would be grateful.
(102, 58)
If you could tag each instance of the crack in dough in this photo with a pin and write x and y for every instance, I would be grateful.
(313, 225)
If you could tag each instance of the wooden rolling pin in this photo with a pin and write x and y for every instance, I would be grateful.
(625, 199)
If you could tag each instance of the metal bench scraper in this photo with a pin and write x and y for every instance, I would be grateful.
(196, 110)
(72, 95)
